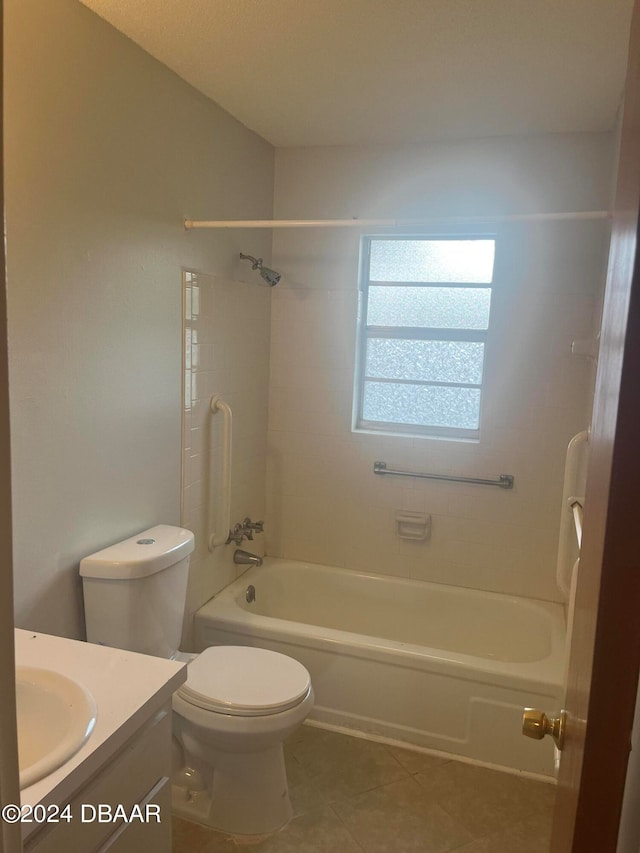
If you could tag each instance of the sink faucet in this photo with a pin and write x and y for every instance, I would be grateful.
(244, 558)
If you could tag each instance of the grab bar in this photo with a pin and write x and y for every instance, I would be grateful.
(575, 467)
(224, 515)
(576, 506)
(504, 481)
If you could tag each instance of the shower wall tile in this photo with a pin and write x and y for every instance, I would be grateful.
(324, 503)
(226, 352)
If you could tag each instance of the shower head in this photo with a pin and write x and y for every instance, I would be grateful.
(270, 276)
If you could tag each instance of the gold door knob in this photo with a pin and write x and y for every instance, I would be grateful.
(536, 724)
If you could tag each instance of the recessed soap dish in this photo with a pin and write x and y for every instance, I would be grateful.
(413, 525)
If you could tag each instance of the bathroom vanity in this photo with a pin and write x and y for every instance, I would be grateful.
(114, 793)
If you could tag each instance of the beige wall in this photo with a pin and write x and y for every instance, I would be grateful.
(226, 353)
(9, 786)
(323, 502)
(106, 152)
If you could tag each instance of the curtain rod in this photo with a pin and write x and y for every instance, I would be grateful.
(190, 224)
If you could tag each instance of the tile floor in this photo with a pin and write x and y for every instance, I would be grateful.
(351, 795)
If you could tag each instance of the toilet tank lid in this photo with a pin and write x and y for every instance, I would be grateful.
(141, 555)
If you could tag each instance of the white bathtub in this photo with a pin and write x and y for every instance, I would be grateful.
(436, 666)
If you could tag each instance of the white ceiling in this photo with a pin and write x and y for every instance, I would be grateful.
(341, 72)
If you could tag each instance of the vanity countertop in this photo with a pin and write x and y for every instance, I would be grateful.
(128, 689)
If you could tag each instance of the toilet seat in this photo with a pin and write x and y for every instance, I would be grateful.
(245, 681)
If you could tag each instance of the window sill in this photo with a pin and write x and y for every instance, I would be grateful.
(411, 435)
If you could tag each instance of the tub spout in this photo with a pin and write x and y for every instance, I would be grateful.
(244, 558)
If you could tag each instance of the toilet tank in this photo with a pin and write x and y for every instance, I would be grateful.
(135, 591)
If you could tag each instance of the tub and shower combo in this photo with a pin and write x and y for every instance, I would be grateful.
(439, 667)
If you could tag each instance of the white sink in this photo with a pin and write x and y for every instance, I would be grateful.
(56, 715)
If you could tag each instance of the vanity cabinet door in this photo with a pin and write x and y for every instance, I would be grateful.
(132, 776)
(150, 835)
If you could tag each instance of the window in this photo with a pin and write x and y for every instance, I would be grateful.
(422, 327)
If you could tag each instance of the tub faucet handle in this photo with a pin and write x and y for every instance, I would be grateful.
(237, 534)
(257, 526)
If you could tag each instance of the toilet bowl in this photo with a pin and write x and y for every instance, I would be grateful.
(238, 704)
(230, 718)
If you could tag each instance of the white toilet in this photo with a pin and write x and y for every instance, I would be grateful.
(238, 703)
